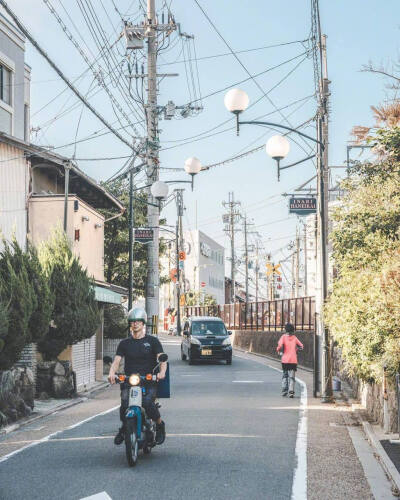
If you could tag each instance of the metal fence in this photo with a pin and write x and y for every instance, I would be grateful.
(271, 315)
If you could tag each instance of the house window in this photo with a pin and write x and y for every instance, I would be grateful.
(5, 121)
(5, 84)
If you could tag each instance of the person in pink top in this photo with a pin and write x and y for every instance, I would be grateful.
(288, 346)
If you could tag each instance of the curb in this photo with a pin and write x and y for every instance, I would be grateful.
(387, 465)
(82, 396)
(310, 370)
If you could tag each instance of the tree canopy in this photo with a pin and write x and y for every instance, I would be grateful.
(363, 311)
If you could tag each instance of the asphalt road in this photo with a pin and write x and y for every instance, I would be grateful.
(230, 434)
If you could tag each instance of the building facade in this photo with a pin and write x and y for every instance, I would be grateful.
(37, 196)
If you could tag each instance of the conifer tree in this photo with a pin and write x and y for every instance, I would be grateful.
(75, 315)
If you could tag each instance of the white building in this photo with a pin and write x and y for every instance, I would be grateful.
(204, 269)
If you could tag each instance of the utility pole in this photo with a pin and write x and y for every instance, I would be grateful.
(153, 213)
(131, 240)
(297, 265)
(323, 187)
(246, 253)
(179, 274)
(257, 270)
(292, 293)
(232, 216)
(305, 261)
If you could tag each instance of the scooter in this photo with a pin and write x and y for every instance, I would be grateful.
(139, 430)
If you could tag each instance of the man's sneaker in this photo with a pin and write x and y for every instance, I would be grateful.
(291, 394)
(160, 433)
(120, 436)
(284, 394)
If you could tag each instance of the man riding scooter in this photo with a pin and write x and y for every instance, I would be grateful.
(140, 352)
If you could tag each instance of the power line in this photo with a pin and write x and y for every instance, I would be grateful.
(61, 74)
(245, 68)
(238, 52)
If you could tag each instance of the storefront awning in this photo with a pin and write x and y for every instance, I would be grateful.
(107, 296)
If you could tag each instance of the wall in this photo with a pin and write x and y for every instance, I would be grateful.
(370, 395)
(47, 212)
(265, 342)
(12, 54)
(13, 194)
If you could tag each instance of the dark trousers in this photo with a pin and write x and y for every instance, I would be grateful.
(148, 403)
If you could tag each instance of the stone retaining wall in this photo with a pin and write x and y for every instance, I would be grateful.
(28, 359)
(265, 342)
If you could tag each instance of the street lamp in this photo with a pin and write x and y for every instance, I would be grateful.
(192, 167)
(236, 101)
(159, 191)
(277, 147)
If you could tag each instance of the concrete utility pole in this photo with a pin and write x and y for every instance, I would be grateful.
(233, 216)
(292, 294)
(153, 213)
(246, 253)
(297, 265)
(305, 262)
(257, 270)
(322, 214)
(179, 246)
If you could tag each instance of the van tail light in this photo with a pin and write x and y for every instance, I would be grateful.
(149, 376)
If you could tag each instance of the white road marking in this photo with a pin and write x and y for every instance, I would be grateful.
(99, 496)
(299, 486)
(46, 438)
(219, 435)
(247, 381)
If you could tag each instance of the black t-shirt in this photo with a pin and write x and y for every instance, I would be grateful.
(140, 354)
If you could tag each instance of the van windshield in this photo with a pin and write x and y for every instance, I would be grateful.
(208, 328)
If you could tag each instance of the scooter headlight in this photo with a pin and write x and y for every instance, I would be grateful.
(134, 379)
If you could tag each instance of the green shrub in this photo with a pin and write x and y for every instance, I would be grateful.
(115, 322)
(18, 295)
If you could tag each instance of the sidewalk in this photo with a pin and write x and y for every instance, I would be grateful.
(43, 408)
(340, 462)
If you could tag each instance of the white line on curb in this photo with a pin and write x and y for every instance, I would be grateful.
(46, 438)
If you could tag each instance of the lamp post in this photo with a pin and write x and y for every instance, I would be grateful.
(278, 147)
(160, 192)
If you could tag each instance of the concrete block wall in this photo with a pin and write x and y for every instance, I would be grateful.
(265, 342)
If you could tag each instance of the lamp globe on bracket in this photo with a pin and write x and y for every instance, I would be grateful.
(277, 147)
(159, 190)
(192, 167)
(236, 101)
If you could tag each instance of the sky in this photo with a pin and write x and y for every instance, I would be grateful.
(358, 32)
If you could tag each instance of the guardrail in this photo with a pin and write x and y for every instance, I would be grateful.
(269, 315)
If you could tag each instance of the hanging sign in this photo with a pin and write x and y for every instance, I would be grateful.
(302, 206)
(203, 284)
(143, 235)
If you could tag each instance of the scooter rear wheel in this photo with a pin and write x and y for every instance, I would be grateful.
(131, 443)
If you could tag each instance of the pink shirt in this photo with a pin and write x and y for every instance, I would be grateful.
(289, 343)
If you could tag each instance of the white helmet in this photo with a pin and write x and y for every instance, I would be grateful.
(137, 314)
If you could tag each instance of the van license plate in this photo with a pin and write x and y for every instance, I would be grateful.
(206, 352)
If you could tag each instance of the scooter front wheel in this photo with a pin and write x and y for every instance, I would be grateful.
(131, 443)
